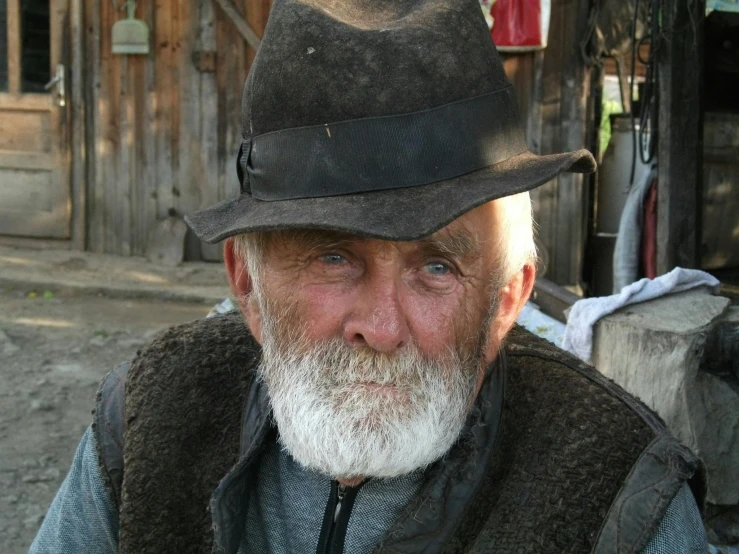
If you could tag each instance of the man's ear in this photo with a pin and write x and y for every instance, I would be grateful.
(512, 299)
(242, 287)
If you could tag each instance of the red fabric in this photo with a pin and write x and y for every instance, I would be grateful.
(516, 23)
(649, 233)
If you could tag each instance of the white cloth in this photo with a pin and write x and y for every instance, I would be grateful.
(222, 308)
(585, 313)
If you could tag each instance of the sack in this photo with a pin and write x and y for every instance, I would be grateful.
(520, 25)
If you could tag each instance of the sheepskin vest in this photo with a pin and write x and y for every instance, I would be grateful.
(554, 457)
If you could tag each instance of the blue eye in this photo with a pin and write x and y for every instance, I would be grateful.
(333, 259)
(437, 268)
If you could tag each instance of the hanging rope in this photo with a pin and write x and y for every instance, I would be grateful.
(644, 141)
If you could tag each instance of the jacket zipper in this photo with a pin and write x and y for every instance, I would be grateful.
(339, 499)
(336, 518)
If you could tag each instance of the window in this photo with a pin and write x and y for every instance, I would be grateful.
(25, 43)
(35, 45)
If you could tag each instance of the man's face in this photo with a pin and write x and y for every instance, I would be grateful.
(374, 350)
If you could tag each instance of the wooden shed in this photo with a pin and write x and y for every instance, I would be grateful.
(118, 142)
(97, 148)
(121, 142)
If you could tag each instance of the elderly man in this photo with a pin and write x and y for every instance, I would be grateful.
(374, 394)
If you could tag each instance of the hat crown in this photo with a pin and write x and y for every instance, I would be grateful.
(325, 61)
(382, 118)
(376, 14)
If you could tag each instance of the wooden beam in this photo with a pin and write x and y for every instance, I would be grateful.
(241, 25)
(553, 299)
(680, 150)
(14, 46)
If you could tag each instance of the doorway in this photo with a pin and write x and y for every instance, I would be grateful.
(34, 168)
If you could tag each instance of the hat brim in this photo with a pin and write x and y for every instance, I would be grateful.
(397, 214)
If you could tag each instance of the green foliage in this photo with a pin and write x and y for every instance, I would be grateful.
(609, 107)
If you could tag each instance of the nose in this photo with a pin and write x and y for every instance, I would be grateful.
(378, 320)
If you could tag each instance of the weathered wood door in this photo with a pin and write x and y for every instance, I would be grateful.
(34, 176)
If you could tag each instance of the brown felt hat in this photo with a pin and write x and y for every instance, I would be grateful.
(381, 118)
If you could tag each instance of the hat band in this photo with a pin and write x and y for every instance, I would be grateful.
(380, 153)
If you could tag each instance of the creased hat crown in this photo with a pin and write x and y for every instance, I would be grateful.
(380, 118)
(323, 61)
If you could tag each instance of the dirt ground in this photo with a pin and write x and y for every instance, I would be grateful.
(54, 350)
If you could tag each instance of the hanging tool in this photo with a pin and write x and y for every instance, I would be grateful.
(130, 35)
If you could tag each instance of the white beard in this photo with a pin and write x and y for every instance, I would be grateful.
(353, 412)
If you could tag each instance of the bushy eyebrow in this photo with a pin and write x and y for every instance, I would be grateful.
(311, 240)
(459, 244)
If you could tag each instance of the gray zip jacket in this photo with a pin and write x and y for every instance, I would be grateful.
(554, 458)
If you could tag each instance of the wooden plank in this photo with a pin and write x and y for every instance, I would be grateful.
(520, 71)
(114, 70)
(572, 189)
(143, 192)
(26, 160)
(210, 191)
(533, 119)
(26, 131)
(78, 142)
(111, 158)
(242, 26)
(106, 147)
(14, 46)
(30, 102)
(680, 150)
(231, 72)
(123, 134)
(166, 98)
(121, 200)
(547, 96)
(96, 145)
(190, 108)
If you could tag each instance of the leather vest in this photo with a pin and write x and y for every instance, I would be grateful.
(554, 457)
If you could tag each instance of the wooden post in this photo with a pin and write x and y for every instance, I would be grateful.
(680, 153)
(14, 46)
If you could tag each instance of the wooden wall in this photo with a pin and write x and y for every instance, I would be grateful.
(162, 130)
(162, 133)
(554, 93)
